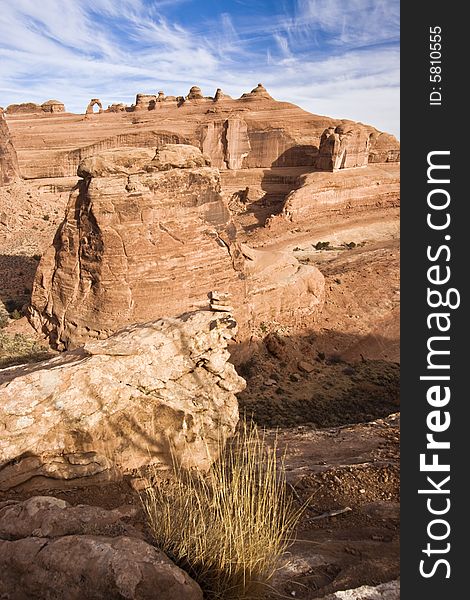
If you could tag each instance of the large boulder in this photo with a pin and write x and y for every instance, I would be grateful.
(178, 156)
(149, 235)
(50, 549)
(150, 394)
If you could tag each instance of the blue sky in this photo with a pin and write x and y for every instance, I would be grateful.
(332, 57)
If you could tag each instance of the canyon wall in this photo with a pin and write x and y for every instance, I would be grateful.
(254, 131)
(9, 168)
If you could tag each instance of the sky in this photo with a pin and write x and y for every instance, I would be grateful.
(331, 57)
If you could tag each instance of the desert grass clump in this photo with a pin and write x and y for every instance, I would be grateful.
(229, 527)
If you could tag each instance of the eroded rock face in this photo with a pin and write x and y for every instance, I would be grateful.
(137, 243)
(117, 107)
(50, 106)
(145, 237)
(49, 548)
(178, 156)
(195, 93)
(220, 95)
(227, 142)
(343, 147)
(384, 148)
(145, 101)
(24, 108)
(146, 393)
(258, 92)
(9, 169)
(323, 195)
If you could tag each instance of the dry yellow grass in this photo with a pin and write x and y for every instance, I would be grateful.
(229, 528)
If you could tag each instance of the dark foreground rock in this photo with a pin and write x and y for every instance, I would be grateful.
(49, 549)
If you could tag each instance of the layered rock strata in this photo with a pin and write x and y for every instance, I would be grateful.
(264, 133)
(324, 195)
(148, 395)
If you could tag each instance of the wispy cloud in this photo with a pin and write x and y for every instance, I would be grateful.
(329, 56)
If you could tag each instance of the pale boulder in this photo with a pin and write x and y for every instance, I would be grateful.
(148, 395)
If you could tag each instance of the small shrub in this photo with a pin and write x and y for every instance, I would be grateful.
(322, 245)
(228, 529)
(16, 314)
(46, 217)
(11, 305)
(37, 257)
(18, 349)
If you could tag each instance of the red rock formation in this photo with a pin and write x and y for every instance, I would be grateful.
(145, 102)
(383, 148)
(53, 106)
(220, 95)
(50, 106)
(279, 134)
(324, 195)
(195, 93)
(9, 169)
(24, 108)
(148, 395)
(49, 548)
(258, 92)
(343, 148)
(116, 107)
(146, 237)
(94, 102)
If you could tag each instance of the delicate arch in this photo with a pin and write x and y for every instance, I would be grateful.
(94, 102)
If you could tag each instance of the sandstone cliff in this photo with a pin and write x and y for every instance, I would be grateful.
(147, 236)
(9, 169)
(254, 131)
